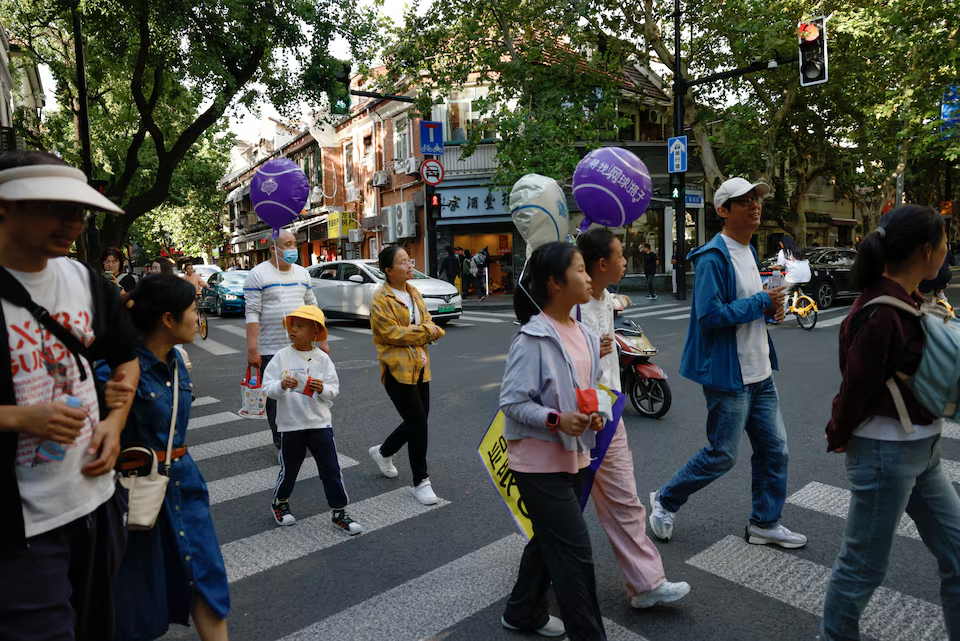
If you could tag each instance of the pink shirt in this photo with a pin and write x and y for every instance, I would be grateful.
(543, 457)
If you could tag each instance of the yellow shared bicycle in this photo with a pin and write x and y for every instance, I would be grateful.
(804, 308)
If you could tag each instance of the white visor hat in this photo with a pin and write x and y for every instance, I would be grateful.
(52, 183)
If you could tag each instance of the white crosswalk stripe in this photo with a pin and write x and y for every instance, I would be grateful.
(890, 616)
(242, 332)
(678, 317)
(204, 400)
(832, 321)
(507, 315)
(356, 330)
(835, 501)
(474, 318)
(277, 546)
(235, 487)
(644, 311)
(212, 419)
(212, 346)
(459, 324)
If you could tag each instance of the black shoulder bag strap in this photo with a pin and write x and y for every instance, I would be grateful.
(16, 294)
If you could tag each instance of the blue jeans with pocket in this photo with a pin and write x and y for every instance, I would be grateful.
(755, 410)
(888, 478)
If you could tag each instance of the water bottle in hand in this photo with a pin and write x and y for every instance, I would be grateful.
(50, 451)
(775, 280)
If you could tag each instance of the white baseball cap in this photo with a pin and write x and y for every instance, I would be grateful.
(52, 183)
(736, 187)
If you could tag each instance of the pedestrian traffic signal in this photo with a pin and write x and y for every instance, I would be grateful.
(812, 39)
(434, 203)
(338, 91)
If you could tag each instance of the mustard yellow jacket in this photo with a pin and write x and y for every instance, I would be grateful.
(401, 347)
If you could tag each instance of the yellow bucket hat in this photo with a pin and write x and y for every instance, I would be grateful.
(313, 313)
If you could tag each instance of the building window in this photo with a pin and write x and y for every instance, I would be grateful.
(368, 145)
(402, 138)
(463, 112)
(348, 163)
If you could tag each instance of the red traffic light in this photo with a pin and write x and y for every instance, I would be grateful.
(435, 200)
(808, 32)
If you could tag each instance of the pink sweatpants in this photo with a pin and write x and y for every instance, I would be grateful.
(624, 518)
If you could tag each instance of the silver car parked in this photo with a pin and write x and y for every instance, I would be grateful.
(345, 289)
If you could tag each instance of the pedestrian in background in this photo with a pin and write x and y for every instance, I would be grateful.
(63, 527)
(402, 329)
(195, 279)
(614, 492)
(793, 260)
(304, 382)
(891, 470)
(113, 270)
(729, 352)
(650, 264)
(273, 289)
(449, 267)
(549, 442)
(470, 275)
(161, 265)
(174, 571)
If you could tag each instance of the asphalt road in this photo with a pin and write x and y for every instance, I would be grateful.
(443, 572)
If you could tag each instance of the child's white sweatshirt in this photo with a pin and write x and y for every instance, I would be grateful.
(295, 409)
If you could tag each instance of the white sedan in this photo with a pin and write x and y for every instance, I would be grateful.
(345, 289)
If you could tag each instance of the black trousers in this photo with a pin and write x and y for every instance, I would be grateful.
(651, 283)
(477, 284)
(293, 451)
(560, 552)
(271, 403)
(60, 586)
(413, 404)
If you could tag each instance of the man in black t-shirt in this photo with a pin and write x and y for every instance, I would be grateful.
(650, 264)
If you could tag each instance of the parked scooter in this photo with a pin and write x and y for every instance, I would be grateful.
(644, 383)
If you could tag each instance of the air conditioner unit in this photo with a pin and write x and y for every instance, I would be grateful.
(389, 231)
(353, 194)
(355, 235)
(380, 179)
(411, 166)
(406, 220)
(316, 195)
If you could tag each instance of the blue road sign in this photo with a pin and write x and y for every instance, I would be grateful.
(677, 154)
(431, 137)
(950, 112)
(694, 198)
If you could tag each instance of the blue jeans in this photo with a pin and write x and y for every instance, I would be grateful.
(888, 478)
(757, 410)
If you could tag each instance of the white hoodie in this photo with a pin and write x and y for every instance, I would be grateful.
(597, 317)
(295, 410)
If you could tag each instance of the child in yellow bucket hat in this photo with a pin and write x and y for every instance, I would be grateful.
(303, 381)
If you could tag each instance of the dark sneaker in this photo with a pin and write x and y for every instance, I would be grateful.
(343, 520)
(281, 513)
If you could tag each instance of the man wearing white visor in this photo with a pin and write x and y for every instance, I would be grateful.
(729, 352)
(62, 526)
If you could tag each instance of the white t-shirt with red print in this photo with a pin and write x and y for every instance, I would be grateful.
(54, 493)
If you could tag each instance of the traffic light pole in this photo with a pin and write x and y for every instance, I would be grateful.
(678, 180)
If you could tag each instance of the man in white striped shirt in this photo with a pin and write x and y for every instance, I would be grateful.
(272, 291)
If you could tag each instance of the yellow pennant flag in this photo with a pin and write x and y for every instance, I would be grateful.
(493, 454)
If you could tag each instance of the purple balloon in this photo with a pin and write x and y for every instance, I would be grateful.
(612, 187)
(279, 191)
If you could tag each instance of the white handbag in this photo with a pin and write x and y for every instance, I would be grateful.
(146, 493)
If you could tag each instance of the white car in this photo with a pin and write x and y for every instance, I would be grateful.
(345, 289)
(206, 271)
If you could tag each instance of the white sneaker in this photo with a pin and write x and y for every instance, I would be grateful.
(775, 536)
(661, 520)
(424, 493)
(385, 463)
(553, 628)
(663, 594)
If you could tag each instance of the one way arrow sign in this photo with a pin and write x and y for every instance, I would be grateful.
(677, 155)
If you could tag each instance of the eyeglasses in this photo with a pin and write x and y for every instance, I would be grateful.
(406, 263)
(66, 211)
(746, 201)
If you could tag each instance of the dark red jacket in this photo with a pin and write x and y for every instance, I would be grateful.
(871, 351)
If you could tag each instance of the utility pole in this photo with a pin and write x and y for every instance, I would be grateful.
(678, 180)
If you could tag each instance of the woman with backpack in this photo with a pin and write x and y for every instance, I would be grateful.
(471, 276)
(893, 465)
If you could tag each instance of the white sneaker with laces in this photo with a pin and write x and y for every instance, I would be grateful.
(553, 628)
(661, 520)
(775, 536)
(424, 493)
(663, 594)
(385, 463)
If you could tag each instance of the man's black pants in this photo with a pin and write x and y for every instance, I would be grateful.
(413, 404)
(651, 282)
(560, 552)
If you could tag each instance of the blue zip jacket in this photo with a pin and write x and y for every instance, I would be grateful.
(710, 353)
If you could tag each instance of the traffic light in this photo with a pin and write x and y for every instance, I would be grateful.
(946, 208)
(433, 202)
(338, 91)
(812, 39)
(99, 185)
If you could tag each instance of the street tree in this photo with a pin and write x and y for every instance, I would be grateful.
(162, 74)
(553, 82)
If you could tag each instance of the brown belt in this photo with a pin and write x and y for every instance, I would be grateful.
(161, 457)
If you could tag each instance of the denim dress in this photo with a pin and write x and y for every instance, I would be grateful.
(167, 567)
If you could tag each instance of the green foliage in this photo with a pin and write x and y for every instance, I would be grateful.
(161, 75)
(546, 92)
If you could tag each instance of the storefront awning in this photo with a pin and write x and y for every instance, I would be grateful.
(845, 222)
(237, 194)
(476, 220)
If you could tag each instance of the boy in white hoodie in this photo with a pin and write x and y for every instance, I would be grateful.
(302, 379)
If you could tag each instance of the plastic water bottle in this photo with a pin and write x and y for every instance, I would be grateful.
(776, 280)
(51, 451)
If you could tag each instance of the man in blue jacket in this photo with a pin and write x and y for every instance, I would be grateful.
(729, 352)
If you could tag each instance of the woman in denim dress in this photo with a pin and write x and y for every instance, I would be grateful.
(173, 571)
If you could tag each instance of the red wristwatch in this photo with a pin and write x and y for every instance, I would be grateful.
(553, 421)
